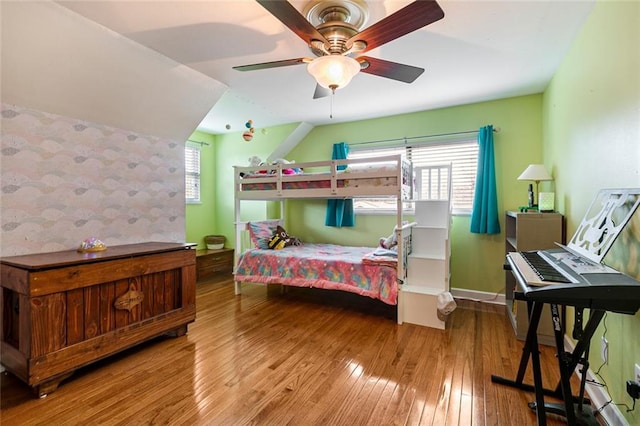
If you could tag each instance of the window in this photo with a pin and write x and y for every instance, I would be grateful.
(462, 154)
(192, 174)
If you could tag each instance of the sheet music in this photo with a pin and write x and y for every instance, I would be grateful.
(607, 215)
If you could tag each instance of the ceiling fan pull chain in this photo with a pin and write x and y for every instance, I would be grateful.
(333, 93)
(331, 110)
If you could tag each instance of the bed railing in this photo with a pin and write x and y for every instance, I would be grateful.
(329, 170)
(403, 235)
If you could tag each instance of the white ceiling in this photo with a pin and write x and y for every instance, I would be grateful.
(481, 50)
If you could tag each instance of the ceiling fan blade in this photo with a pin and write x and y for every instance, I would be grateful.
(408, 19)
(273, 64)
(294, 20)
(321, 92)
(392, 70)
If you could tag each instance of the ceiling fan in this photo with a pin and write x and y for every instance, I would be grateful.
(338, 43)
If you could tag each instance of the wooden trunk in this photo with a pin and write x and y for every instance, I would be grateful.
(64, 310)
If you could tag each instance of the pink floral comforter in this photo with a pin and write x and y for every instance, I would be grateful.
(326, 266)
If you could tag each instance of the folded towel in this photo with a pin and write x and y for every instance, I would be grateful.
(381, 251)
(381, 256)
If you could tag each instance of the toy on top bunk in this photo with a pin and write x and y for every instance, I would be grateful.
(281, 239)
(289, 170)
(255, 161)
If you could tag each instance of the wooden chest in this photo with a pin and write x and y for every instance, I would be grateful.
(64, 310)
(214, 262)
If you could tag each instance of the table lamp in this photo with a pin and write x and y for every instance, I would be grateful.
(536, 173)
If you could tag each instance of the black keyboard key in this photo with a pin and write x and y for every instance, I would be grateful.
(542, 268)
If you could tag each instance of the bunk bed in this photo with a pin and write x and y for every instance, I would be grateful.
(354, 269)
(390, 176)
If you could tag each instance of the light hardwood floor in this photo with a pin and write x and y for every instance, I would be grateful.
(305, 357)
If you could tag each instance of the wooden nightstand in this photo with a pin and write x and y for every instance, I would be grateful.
(211, 263)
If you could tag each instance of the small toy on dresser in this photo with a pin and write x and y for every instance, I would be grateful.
(91, 245)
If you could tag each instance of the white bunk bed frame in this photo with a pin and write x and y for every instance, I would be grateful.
(329, 170)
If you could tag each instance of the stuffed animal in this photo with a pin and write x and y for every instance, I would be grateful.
(287, 170)
(281, 239)
(281, 161)
(254, 161)
(390, 242)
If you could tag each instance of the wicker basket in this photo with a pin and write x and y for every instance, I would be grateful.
(214, 242)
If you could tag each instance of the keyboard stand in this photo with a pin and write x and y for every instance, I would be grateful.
(575, 409)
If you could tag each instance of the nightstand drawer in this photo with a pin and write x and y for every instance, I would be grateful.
(217, 260)
(213, 262)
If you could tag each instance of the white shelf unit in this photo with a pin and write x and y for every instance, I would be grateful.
(428, 266)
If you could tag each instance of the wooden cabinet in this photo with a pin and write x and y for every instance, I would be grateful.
(525, 232)
(212, 263)
(64, 310)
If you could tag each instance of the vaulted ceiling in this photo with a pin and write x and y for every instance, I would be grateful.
(480, 50)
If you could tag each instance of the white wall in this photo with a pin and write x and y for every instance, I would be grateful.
(56, 61)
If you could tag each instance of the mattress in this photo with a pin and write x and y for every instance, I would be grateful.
(326, 266)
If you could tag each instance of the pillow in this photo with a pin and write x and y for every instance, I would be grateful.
(261, 232)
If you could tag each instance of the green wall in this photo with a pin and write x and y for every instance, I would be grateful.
(233, 150)
(476, 260)
(199, 217)
(591, 116)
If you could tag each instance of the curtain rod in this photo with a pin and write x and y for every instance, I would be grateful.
(201, 143)
(405, 139)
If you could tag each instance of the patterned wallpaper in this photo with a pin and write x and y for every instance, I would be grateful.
(63, 180)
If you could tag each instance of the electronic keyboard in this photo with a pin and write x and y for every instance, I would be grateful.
(602, 288)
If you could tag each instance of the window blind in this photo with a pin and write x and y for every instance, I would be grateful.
(192, 174)
(462, 154)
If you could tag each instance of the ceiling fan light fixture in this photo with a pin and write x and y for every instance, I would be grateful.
(333, 71)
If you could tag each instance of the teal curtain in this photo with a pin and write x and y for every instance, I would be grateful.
(340, 212)
(484, 216)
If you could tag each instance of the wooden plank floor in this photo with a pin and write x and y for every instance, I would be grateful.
(306, 357)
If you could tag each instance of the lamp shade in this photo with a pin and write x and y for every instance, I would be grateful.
(333, 71)
(536, 173)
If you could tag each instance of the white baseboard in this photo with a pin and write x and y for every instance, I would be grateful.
(598, 394)
(478, 296)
